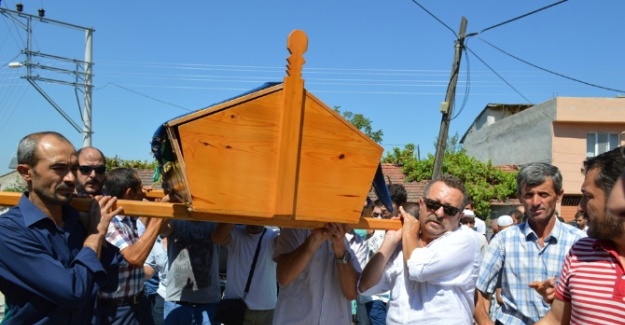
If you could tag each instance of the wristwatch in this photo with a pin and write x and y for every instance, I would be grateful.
(347, 257)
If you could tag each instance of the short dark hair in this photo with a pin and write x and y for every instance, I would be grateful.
(120, 179)
(517, 215)
(27, 147)
(398, 193)
(452, 182)
(412, 209)
(535, 174)
(610, 165)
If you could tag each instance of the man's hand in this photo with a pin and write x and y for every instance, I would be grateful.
(101, 213)
(411, 225)
(546, 288)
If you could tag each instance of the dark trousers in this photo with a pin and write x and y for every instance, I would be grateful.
(139, 314)
(156, 304)
(376, 310)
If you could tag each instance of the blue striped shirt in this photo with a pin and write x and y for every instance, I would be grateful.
(516, 253)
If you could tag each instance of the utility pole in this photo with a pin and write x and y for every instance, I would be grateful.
(81, 74)
(448, 105)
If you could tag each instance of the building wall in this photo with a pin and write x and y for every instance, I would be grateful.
(11, 180)
(569, 149)
(519, 139)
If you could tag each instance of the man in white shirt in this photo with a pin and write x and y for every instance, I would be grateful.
(242, 242)
(431, 264)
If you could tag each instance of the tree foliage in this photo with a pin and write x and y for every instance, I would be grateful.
(483, 181)
(136, 164)
(362, 123)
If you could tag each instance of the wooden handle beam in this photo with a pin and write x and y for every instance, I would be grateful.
(181, 211)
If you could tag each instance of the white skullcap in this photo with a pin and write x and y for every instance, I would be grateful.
(468, 213)
(504, 221)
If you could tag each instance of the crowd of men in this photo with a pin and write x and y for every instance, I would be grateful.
(61, 266)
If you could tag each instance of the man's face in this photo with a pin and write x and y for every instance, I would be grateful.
(89, 180)
(376, 212)
(435, 221)
(540, 201)
(385, 213)
(135, 193)
(581, 222)
(601, 224)
(616, 200)
(53, 178)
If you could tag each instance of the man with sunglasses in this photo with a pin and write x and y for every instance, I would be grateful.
(590, 287)
(430, 265)
(91, 172)
(533, 251)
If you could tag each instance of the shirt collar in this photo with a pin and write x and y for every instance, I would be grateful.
(33, 214)
(529, 233)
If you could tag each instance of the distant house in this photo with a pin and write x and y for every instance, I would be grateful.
(562, 131)
(11, 180)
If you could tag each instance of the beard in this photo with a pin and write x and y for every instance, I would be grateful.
(605, 227)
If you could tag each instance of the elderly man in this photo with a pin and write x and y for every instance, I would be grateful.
(531, 251)
(590, 287)
(49, 267)
(429, 282)
(91, 171)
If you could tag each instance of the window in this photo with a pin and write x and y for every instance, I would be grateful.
(598, 143)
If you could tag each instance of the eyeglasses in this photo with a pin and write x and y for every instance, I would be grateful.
(86, 170)
(435, 205)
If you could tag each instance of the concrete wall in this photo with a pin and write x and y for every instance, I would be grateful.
(518, 139)
(569, 149)
(11, 180)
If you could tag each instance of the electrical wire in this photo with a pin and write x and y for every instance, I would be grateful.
(498, 75)
(519, 17)
(549, 71)
(146, 96)
(437, 19)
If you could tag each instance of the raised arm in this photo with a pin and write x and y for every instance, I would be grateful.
(290, 265)
(374, 269)
(221, 235)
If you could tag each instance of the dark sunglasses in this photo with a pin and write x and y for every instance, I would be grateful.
(435, 205)
(86, 170)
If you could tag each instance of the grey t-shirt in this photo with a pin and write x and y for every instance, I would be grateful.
(193, 274)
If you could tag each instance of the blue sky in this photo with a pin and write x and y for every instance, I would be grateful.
(389, 60)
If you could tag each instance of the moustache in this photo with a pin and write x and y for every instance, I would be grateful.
(65, 187)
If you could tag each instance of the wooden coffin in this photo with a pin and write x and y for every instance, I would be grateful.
(275, 153)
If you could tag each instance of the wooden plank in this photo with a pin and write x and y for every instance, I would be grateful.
(181, 211)
(289, 138)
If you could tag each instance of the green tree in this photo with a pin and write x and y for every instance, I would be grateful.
(362, 123)
(483, 181)
(136, 164)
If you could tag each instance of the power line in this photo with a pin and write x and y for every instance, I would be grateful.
(437, 19)
(549, 71)
(497, 74)
(517, 18)
(146, 96)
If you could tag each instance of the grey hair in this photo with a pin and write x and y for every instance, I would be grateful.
(27, 147)
(535, 174)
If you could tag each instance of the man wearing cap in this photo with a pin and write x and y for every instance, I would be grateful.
(504, 221)
(590, 287)
(468, 223)
(531, 251)
(430, 265)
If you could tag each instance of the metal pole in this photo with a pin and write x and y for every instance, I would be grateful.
(86, 116)
(448, 106)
